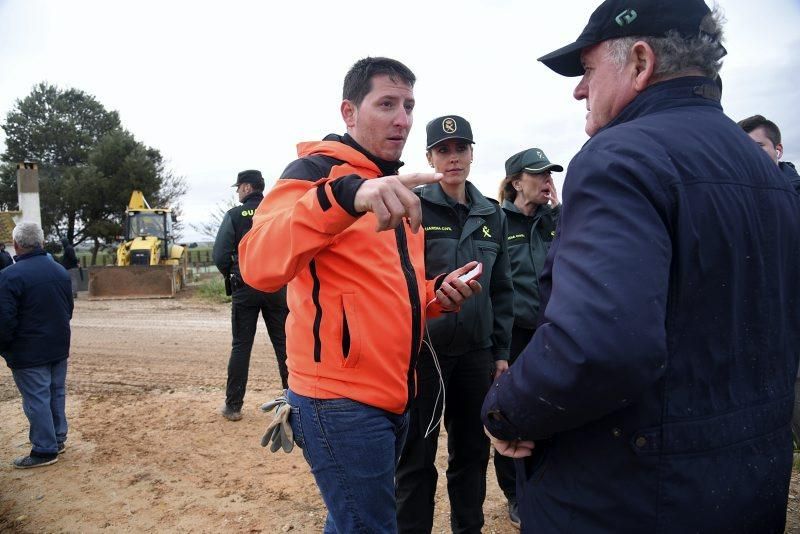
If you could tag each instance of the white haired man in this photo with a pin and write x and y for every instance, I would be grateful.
(35, 311)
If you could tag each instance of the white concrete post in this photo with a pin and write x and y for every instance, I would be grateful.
(28, 192)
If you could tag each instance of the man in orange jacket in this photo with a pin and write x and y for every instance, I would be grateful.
(341, 228)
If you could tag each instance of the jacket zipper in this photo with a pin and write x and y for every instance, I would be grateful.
(416, 309)
(318, 317)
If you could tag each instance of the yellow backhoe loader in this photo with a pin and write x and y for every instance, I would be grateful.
(149, 264)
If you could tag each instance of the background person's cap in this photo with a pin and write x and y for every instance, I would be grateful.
(448, 127)
(628, 18)
(532, 160)
(249, 177)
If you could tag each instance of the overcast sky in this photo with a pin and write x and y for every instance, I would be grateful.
(219, 87)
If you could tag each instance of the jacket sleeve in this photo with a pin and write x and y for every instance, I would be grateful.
(9, 296)
(502, 295)
(224, 246)
(603, 339)
(433, 309)
(294, 222)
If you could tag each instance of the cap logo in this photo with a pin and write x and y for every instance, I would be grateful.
(539, 154)
(626, 17)
(449, 125)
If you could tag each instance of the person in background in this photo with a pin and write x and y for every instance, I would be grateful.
(246, 302)
(530, 201)
(70, 262)
(5, 257)
(35, 311)
(657, 391)
(767, 135)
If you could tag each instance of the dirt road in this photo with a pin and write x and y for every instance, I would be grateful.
(147, 449)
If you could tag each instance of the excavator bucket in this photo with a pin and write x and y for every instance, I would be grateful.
(134, 282)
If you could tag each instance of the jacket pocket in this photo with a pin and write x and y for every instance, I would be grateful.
(351, 331)
(534, 465)
(487, 254)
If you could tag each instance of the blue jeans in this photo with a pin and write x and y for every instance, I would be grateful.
(43, 390)
(352, 449)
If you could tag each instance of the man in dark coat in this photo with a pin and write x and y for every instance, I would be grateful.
(246, 302)
(70, 262)
(35, 310)
(768, 136)
(5, 257)
(656, 393)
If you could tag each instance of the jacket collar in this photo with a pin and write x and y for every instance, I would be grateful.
(31, 254)
(255, 194)
(510, 207)
(480, 205)
(387, 168)
(674, 93)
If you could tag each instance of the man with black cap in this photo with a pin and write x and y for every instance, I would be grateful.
(656, 393)
(246, 302)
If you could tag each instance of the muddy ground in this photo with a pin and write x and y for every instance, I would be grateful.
(147, 448)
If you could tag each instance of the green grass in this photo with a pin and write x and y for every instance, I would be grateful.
(213, 290)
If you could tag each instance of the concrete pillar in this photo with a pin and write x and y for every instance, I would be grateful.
(28, 192)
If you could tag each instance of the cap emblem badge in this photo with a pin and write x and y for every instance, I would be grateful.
(626, 17)
(449, 125)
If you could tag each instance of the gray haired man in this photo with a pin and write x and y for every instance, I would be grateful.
(35, 311)
(656, 392)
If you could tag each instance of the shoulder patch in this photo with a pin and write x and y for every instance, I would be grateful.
(310, 168)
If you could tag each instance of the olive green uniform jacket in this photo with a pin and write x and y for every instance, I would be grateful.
(484, 321)
(529, 239)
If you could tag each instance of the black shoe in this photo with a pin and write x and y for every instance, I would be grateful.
(27, 462)
(513, 513)
(230, 414)
(61, 448)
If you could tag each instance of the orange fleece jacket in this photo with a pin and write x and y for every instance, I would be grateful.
(351, 331)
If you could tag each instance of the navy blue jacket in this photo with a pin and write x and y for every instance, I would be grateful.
(788, 170)
(35, 310)
(659, 385)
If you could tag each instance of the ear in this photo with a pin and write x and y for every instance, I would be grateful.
(430, 159)
(643, 62)
(349, 113)
(779, 150)
(517, 184)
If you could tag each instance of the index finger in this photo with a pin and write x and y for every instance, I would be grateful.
(420, 178)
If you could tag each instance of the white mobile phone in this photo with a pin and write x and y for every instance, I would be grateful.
(474, 274)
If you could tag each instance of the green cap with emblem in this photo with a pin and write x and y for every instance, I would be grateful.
(532, 160)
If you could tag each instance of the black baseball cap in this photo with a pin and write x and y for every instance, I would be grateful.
(448, 127)
(532, 160)
(249, 177)
(629, 18)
